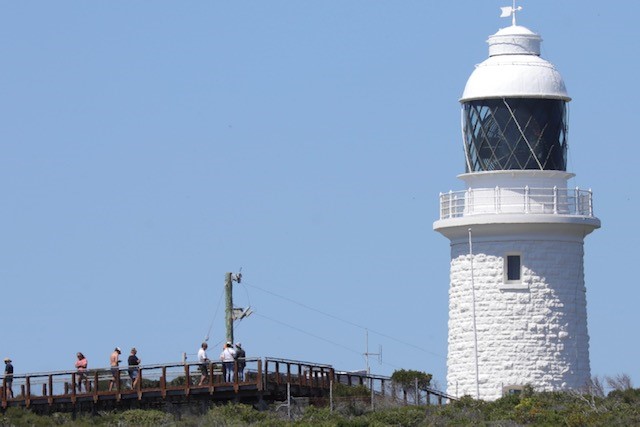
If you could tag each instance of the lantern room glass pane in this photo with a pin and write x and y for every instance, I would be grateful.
(515, 133)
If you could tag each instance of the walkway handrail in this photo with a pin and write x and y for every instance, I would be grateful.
(182, 379)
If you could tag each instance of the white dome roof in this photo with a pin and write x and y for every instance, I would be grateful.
(514, 69)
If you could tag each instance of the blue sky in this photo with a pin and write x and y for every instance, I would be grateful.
(148, 147)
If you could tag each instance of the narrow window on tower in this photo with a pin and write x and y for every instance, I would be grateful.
(513, 266)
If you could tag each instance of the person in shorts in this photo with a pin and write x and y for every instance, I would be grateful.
(81, 367)
(133, 361)
(8, 377)
(203, 359)
(114, 362)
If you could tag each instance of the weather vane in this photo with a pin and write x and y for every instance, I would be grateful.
(511, 11)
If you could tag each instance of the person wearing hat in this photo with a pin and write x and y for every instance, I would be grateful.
(204, 363)
(240, 357)
(8, 377)
(134, 362)
(228, 357)
(114, 361)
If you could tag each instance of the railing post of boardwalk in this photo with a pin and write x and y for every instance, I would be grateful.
(277, 372)
(50, 395)
(4, 392)
(73, 387)
(210, 380)
(259, 379)
(118, 385)
(332, 374)
(96, 386)
(235, 376)
(590, 203)
(139, 384)
(28, 393)
(163, 382)
(555, 199)
(187, 379)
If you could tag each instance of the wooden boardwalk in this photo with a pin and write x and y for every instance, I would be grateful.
(161, 386)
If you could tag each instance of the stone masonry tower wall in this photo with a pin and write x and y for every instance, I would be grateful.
(531, 336)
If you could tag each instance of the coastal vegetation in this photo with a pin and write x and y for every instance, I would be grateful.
(352, 407)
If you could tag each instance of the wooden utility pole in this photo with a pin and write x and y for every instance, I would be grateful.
(232, 313)
(229, 305)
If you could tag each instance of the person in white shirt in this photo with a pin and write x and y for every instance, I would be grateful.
(228, 357)
(204, 363)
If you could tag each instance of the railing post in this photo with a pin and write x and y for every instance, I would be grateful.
(73, 387)
(187, 379)
(468, 202)
(28, 393)
(496, 199)
(50, 395)
(526, 199)
(590, 203)
(139, 384)
(163, 382)
(577, 202)
(555, 199)
(235, 376)
(96, 386)
(118, 385)
(4, 392)
(259, 385)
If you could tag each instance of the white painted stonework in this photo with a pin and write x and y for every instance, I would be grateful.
(534, 333)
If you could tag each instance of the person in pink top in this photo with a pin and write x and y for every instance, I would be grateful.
(81, 366)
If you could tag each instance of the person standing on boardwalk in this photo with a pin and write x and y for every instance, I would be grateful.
(8, 377)
(114, 361)
(240, 357)
(203, 359)
(81, 367)
(133, 363)
(228, 356)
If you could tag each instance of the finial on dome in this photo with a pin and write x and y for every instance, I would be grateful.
(511, 11)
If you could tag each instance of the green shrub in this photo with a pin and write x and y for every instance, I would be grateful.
(236, 414)
(144, 417)
(406, 416)
(342, 390)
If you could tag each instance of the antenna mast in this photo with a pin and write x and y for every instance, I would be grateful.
(367, 354)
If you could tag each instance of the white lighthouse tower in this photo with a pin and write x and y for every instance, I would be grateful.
(517, 302)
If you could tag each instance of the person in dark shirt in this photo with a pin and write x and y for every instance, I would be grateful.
(240, 358)
(134, 370)
(8, 377)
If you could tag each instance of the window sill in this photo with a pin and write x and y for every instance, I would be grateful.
(513, 287)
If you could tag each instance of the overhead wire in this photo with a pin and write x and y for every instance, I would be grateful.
(308, 333)
(206, 338)
(345, 321)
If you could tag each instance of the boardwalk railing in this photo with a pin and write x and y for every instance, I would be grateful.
(260, 379)
(100, 384)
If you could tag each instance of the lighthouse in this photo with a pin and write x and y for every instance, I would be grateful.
(517, 295)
